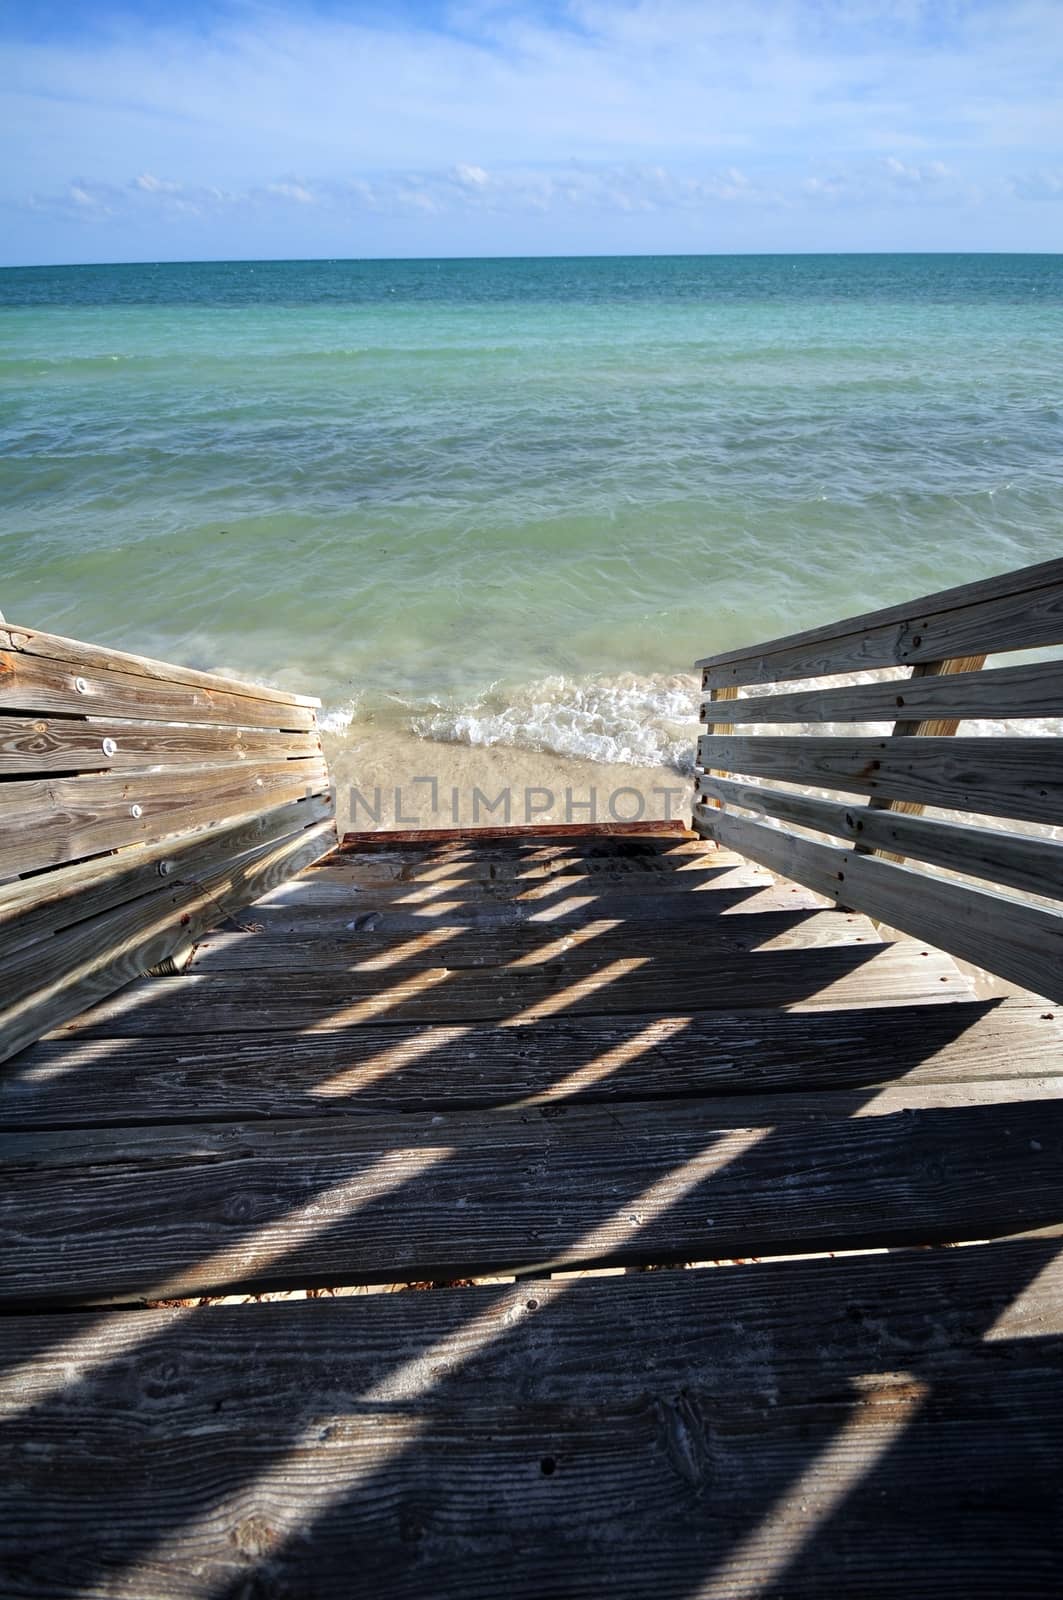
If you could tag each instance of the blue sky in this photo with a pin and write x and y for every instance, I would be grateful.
(257, 128)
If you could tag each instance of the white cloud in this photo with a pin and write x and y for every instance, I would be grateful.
(890, 180)
(472, 177)
(627, 187)
(632, 108)
(152, 185)
(1041, 185)
(292, 191)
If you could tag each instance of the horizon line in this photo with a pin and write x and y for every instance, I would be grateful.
(582, 255)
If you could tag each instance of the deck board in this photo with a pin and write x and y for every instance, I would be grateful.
(403, 1067)
(827, 1426)
(578, 981)
(144, 1213)
(459, 946)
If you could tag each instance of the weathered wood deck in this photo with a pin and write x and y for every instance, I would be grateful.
(427, 1061)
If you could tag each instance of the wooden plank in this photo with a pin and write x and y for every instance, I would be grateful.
(727, 692)
(100, 955)
(1030, 690)
(33, 683)
(996, 601)
(616, 1431)
(1013, 860)
(525, 833)
(587, 882)
(391, 879)
(31, 745)
(1017, 622)
(562, 1060)
(146, 1213)
(372, 868)
(77, 817)
(608, 940)
(33, 642)
(1017, 941)
(39, 906)
(576, 985)
(742, 891)
(1020, 778)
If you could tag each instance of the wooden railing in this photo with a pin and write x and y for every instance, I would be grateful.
(140, 804)
(944, 639)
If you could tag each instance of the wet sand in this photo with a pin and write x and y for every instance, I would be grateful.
(389, 778)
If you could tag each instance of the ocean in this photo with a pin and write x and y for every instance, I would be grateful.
(504, 504)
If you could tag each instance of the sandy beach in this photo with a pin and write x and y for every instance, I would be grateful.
(390, 778)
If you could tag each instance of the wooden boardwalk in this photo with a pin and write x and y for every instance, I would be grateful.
(529, 1058)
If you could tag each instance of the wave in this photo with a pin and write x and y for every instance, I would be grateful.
(622, 721)
(625, 720)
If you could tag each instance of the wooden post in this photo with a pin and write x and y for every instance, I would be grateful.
(938, 727)
(729, 692)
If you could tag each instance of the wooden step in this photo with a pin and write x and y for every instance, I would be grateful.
(576, 982)
(144, 1213)
(304, 911)
(885, 1425)
(373, 950)
(193, 1077)
(335, 887)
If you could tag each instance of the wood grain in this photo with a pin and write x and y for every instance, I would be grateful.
(1013, 860)
(37, 907)
(680, 1433)
(69, 688)
(143, 1213)
(578, 985)
(151, 1078)
(1006, 777)
(32, 642)
(1013, 611)
(1030, 690)
(46, 985)
(78, 817)
(524, 946)
(36, 744)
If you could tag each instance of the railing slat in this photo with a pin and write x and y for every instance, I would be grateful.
(1013, 860)
(68, 744)
(1029, 619)
(105, 756)
(1007, 777)
(1020, 942)
(985, 592)
(1031, 690)
(77, 817)
(52, 646)
(65, 688)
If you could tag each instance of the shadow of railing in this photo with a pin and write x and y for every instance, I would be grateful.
(677, 1412)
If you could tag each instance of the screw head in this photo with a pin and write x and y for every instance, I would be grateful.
(81, 686)
(109, 747)
(136, 811)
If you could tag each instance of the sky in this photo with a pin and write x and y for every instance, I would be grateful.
(313, 128)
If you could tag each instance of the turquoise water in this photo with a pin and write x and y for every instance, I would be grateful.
(511, 500)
